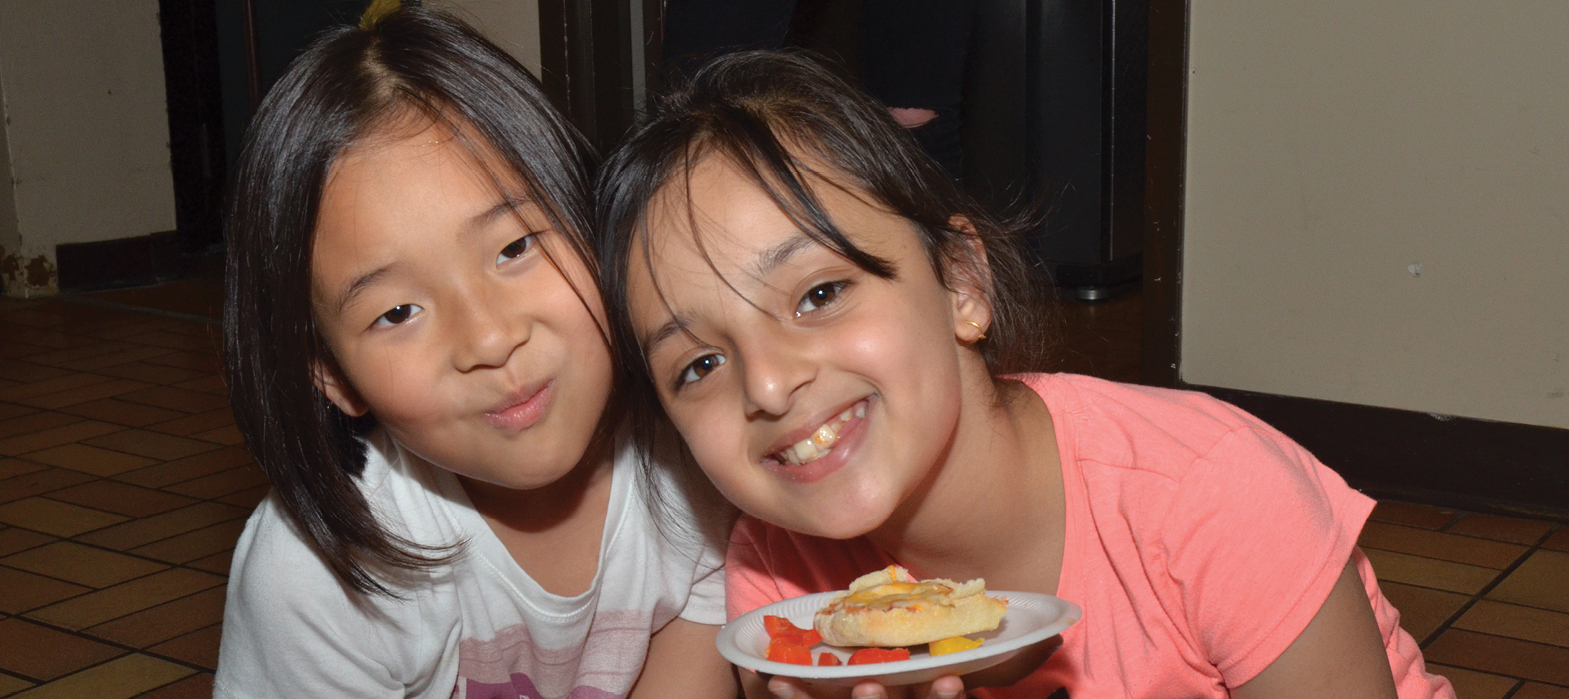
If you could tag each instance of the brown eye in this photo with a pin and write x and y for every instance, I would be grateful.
(704, 366)
(397, 315)
(515, 249)
(818, 297)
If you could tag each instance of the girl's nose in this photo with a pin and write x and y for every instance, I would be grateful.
(774, 372)
(488, 330)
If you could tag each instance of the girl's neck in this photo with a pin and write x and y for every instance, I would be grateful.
(552, 532)
(994, 506)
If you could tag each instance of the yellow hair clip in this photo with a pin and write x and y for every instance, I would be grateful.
(378, 11)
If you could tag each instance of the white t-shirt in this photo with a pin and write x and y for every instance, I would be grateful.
(479, 627)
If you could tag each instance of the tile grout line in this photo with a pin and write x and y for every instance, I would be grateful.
(1489, 587)
(127, 308)
(1515, 689)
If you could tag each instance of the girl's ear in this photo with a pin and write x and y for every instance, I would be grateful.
(329, 380)
(969, 276)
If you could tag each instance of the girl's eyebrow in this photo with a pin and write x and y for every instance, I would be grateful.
(507, 204)
(354, 288)
(772, 258)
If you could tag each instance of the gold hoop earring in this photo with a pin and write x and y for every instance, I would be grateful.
(978, 327)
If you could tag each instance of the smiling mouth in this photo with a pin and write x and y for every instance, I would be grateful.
(822, 441)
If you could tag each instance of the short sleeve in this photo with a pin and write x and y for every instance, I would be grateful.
(705, 603)
(289, 628)
(1257, 534)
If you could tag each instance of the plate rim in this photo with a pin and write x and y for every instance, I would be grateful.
(726, 643)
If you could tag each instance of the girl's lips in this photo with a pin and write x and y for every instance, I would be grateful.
(850, 437)
(523, 408)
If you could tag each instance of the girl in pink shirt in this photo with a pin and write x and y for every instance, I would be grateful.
(834, 331)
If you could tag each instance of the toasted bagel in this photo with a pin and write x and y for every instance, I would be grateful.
(890, 608)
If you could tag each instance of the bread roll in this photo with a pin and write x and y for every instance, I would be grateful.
(889, 608)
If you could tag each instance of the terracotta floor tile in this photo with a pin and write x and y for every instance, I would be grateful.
(7, 383)
(198, 648)
(1514, 621)
(196, 544)
(120, 498)
(149, 372)
(217, 563)
(112, 387)
(95, 362)
(12, 350)
(40, 420)
(1559, 541)
(21, 591)
(83, 565)
(1470, 684)
(1532, 690)
(248, 498)
(13, 540)
(9, 684)
(1412, 515)
(117, 679)
(174, 399)
(1429, 572)
(64, 382)
(62, 356)
(181, 470)
(89, 459)
(57, 518)
(120, 412)
(11, 467)
(55, 436)
(44, 654)
(28, 372)
(1446, 547)
(119, 331)
(212, 383)
(165, 621)
(39, 482)
(1510, 529)
(146, 530)
(228, 435)
(95, 608)
(1422, 610)
(1501, 656)
(197, 686)
(220, 484)
(175, 341)
(40, 337)
(200, 422)
(153, 445)
(197, 361)
(11, 410)
(1542, 581)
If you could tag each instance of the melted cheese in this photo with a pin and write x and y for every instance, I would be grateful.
(899, 594)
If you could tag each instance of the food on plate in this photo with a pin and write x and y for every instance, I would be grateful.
(867, 656)
(890, 608)
(952, 645)
(788, 643)
(828, 659)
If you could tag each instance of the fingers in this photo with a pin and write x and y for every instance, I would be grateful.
(945, 687)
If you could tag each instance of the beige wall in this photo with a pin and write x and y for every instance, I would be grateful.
(512, 24)
(1378, 204)
(85, 121)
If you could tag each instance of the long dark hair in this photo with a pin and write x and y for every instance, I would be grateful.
(762, 110)
(399, 62)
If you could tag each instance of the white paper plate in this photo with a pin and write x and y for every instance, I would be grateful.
(1031, 618)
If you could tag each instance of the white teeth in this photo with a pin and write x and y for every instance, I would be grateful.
(822, 441)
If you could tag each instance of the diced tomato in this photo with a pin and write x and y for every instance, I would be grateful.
(785, 651)
(779, 627)
(867, 656)
(828, 659)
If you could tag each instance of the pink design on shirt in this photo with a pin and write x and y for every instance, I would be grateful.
(512, 665)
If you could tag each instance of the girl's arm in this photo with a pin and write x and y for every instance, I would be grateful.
(1340, 653)
(683, 662)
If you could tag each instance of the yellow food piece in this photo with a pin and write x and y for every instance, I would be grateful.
(953, 645)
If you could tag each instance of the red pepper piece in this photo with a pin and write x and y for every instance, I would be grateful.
(828, 659)
(867, 656)
(779, 627)
(786, 651)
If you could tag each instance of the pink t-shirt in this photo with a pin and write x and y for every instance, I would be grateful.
(1200, 542)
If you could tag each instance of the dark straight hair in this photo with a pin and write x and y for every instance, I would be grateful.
(763, 111)
(400, 65)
